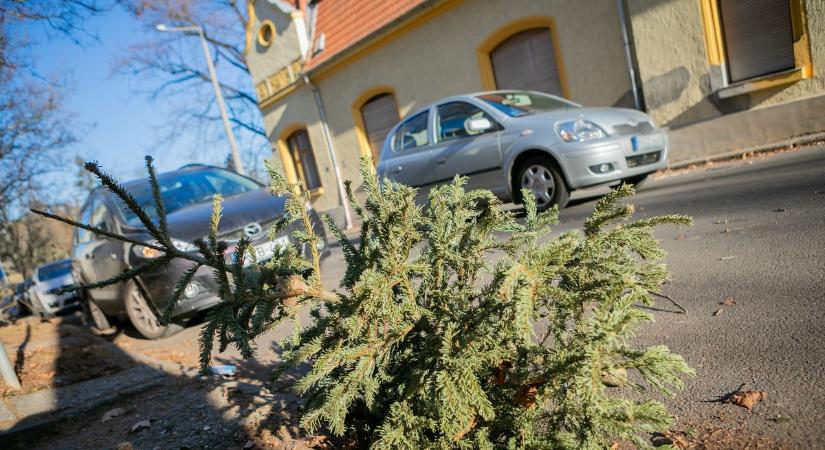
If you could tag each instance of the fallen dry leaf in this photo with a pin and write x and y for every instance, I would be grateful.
(728, 301)
(319, 441)
(681, 442)
(747, 399)
(718, 311)
(614, 446)
(674, 438)
(681, 237)
(141, 425)
(112, 413)
(124, 446)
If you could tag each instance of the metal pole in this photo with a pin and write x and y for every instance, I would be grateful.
(3, 275)
(230, 136)
(637, 98)
(342, 194)
(7, 369)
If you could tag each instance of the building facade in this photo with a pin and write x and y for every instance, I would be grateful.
(333, 76)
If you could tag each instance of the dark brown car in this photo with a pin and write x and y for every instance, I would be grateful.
(248, 210)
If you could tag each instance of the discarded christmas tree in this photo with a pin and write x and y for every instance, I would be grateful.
(456, 325)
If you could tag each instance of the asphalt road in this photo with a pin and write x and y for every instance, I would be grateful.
(759, 237)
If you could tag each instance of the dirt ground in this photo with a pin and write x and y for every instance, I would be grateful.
(49, 354)
(182, 413)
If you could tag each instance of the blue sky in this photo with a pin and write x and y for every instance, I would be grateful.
(119, 124)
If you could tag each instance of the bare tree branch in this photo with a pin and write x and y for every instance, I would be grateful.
(169, 67)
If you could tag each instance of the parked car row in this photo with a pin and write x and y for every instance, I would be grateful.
(506, 141)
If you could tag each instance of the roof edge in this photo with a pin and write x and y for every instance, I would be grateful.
(410, 19)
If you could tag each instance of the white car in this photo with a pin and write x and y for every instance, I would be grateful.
(46, 278)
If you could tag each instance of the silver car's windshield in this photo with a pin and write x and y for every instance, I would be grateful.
(522, 103)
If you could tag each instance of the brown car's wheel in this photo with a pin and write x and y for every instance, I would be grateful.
(143, 316)
(539, 175)
(98, 317)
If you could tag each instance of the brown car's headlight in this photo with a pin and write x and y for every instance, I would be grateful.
(151, 253)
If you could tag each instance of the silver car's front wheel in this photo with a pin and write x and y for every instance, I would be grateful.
(540, 176)
(538, 180)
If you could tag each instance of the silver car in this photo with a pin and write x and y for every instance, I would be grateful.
(504, 141)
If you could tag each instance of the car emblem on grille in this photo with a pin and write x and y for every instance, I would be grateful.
(252, 229)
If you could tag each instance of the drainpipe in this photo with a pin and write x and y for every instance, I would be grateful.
(342, 195)
(632, 65)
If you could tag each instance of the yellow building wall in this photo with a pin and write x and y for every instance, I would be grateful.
(438, 58)
(674, 65)
(265, 60)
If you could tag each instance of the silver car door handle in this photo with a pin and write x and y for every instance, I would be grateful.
(441, 161)
(397, 169)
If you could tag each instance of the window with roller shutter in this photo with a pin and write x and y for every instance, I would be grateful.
(300, 149)
(527, 60)
(758, 37)
(380, 114)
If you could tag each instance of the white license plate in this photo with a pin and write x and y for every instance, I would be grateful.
(647, 142)
(267, 249)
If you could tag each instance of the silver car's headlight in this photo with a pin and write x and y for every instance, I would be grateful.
(579, 131)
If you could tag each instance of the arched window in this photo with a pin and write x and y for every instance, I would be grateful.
(527, 60)
(380, 114)
(303, 159)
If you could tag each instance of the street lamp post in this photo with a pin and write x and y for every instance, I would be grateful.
(233, 146)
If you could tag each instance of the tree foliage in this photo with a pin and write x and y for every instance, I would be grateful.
(456, 325)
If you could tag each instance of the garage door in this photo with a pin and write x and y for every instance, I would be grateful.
(527, 60)
(758, 37)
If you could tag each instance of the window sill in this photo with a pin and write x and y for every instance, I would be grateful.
(760, 83)
(315, 193)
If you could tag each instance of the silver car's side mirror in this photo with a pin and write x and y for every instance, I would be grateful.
(479, 124)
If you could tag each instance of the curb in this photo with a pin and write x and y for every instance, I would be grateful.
(27, 411)
(22, 412)
(789, 143)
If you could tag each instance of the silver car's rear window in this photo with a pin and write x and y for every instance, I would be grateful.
(523, 103)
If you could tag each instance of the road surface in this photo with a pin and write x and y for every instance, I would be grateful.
(759, 237)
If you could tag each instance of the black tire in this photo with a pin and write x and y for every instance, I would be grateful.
(143, 315)
(541, 175)
(636, 181)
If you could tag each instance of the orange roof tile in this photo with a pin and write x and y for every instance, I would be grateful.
(345, 23)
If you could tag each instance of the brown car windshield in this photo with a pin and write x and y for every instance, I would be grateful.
(182, 189)
(522, 103)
